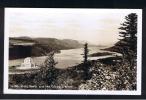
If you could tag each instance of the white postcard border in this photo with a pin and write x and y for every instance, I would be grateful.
(76, 92)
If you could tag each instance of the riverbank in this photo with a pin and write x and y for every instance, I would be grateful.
(100, 54)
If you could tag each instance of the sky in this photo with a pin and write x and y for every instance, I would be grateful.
(96, 26)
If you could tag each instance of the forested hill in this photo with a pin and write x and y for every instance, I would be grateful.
(59, 44)
(52, 42)
(41, 45)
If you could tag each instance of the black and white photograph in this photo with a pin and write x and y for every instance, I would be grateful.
(72, 51)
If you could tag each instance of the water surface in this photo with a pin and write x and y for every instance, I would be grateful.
(64, 59)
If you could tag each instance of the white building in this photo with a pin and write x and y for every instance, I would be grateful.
(27, 64)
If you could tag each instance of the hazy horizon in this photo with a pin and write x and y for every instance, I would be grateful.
(96, 26)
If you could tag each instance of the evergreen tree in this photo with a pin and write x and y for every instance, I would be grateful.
(128, 38)
(86, 67)
(86, 52)
(48, 72)
(51, 73)
(128, 34)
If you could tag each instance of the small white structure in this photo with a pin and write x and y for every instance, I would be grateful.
(27, 64)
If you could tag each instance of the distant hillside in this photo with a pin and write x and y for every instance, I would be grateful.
(39, 46)
(115, 48)
(59, 44)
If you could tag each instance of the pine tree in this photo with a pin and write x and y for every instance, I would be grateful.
(48, 73)
(86, 67)
(85, 52)
(51, 73)
(128, 38)
(128, 33)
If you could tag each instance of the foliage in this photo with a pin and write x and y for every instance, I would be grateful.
(103, 77)
(48, 72)
(108, 77)
(128, 34)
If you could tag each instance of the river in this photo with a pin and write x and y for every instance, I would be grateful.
(64, 59)
(72, 57)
